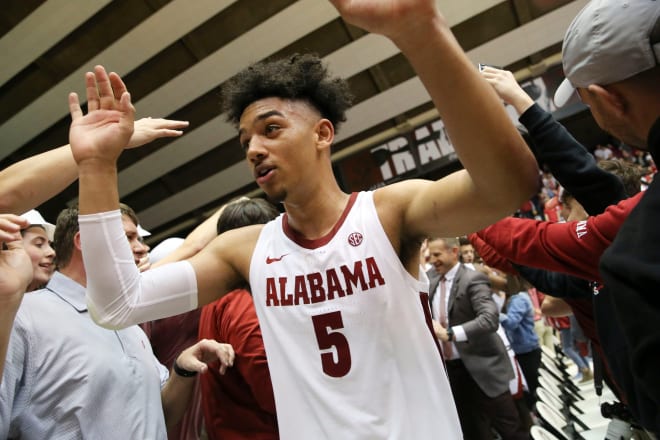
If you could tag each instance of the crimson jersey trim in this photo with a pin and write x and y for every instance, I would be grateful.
(297, 238)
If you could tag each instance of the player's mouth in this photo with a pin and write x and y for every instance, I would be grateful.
(263, 173)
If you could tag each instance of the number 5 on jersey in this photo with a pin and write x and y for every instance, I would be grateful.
(327, 339)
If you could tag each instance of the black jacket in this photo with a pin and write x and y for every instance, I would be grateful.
(627, 307)
(631, 271)
(571, 163)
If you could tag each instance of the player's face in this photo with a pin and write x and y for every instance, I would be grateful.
(279, 138)
(35, 242)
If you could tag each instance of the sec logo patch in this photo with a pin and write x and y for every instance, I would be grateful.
(355, 239)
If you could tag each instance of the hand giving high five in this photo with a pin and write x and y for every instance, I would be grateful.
(103, 133)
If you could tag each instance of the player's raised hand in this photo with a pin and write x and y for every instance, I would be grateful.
(392, 18)
(100, 136)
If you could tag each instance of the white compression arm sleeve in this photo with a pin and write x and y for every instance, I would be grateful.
(118, 295)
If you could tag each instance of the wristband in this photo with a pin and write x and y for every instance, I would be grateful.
(182, 371)
(450, 335)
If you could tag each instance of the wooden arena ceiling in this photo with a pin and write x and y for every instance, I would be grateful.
(175, 55)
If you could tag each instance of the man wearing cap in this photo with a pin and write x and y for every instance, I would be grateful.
(65, 377)
(610, 56)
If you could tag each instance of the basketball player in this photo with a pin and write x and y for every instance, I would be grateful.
(335, 279)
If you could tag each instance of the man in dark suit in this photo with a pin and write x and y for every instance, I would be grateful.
(465, 320)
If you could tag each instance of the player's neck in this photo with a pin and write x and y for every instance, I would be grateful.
(314, 217)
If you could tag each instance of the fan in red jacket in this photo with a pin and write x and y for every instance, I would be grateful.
(572, 247)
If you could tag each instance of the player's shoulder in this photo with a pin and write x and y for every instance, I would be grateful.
(396, 197)
(403, 189)
(239, 241)
(250, 232)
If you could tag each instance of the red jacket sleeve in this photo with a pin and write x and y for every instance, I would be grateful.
(490, 256)
(574, 247)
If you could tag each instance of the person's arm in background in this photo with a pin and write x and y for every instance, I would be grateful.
(15, 275)
(178, 390)
(555, 307)
(573, 166)
(485, 309)
(32, 181)
(556, 284)
(573, 247)
(553, 283)
(496, 278)
(491, 256)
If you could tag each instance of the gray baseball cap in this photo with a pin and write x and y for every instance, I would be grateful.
(609, 41)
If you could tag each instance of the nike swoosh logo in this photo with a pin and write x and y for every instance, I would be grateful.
(273, 260)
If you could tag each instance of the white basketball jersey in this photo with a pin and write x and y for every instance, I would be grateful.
(350, 353)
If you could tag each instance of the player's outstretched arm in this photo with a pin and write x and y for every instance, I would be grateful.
(202, 235)
(501, 171)
(117, 294)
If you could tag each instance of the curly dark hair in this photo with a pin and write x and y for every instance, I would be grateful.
(299, 77)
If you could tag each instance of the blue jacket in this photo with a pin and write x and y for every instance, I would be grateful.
(518, 322)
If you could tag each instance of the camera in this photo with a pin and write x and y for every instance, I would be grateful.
(622, 425)
(616, 410)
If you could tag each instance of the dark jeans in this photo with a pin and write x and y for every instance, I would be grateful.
(529, 364)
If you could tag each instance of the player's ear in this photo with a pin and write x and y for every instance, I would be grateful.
(325, 133)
